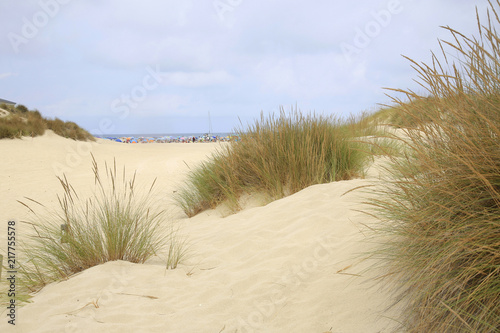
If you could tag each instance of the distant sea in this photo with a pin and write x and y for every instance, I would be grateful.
(173, 135)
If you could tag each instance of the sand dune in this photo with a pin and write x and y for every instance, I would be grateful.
(295, 265)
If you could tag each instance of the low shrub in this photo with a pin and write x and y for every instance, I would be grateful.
(23, 122)
(68, 130)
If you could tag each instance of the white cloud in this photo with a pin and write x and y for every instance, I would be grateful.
(162, 104)
(62, 108)
(196, 79)
(305, 77)
(275, 52)
(6, 75)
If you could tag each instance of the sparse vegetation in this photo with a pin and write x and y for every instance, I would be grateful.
(23, 122)
(69, 130)
(397, 115)
(441, 206)
(277, 156)
(115, 223)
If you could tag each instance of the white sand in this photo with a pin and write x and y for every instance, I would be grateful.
(295, 265)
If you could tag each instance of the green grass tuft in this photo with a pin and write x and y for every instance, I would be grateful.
(115, 223)
(277, 156)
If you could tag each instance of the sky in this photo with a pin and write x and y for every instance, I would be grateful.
(164, 66)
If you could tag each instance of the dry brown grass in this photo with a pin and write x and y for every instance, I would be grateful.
(441, 206)
(23, 122)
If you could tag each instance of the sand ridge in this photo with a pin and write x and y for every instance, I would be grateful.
(294, 265)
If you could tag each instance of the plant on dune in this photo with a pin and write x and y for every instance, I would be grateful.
(442, 203)
(27, 124)
(22, 122)
(68, 129)
(11, 127)
(116, 223)
(396, 116)
(210, 184)
(277, 156)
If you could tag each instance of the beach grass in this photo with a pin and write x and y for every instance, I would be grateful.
(396, 115)
(120, 221)
(441, 204)
(277, 156)
(23, 122)
(68, 129)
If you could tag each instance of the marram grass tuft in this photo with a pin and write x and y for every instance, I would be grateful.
(441, 205)
(118, 222)
(277, 156)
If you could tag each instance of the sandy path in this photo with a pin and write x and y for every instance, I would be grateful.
(295, 265)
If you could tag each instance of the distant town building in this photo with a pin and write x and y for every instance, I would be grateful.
(4, 101)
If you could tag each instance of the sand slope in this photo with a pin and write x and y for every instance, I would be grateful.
(295, 265)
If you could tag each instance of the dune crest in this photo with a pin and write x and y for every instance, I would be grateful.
(294, 265)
